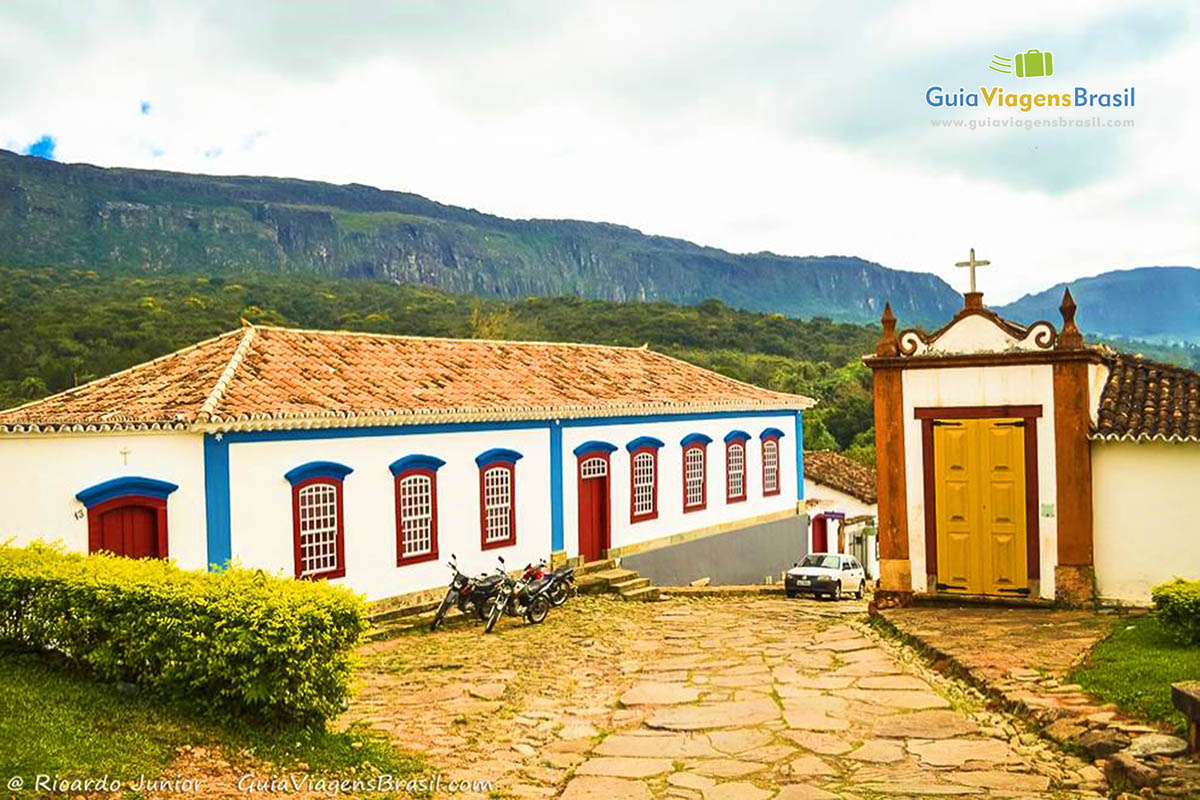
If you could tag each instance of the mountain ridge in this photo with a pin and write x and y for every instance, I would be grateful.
(155, 221)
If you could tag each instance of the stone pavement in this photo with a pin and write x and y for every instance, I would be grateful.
(706, 699)
(1022, 658)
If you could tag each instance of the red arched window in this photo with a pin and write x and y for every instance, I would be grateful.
(318, 519)
(497, 498)
(735, 466)
(416, 508)
(695, 472)
(643, 478)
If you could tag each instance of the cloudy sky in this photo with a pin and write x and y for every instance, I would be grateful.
(799, 128)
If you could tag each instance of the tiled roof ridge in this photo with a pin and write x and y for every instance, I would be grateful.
(120, 373)
(455, 339)
(218, 391)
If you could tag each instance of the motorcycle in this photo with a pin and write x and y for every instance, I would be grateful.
(471, 595)
(459, 586)
(562, 581)
(524, 596)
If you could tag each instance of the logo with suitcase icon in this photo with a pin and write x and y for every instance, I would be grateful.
(1030, 64)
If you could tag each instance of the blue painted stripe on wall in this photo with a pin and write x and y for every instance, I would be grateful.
(799, 455)
(556, 489)
(216, 500)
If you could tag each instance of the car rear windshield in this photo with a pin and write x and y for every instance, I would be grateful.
(817, 560)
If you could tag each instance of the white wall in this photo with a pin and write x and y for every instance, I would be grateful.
(1145, 508)
(980, 386)
(671, 519)
(41, 474)
(261, 504)
(819, 498)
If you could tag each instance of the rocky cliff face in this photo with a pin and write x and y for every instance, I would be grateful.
(80, 215)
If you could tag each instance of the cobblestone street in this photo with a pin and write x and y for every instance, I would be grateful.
(705, 699)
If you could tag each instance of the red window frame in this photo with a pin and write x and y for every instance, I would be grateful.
(401, 559)
(512, 505)
(340, 536)
(729, 445)
(653, 512)
(156, 504)
(778, 482)
(703, 448)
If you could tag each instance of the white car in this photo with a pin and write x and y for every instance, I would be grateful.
(826, 573)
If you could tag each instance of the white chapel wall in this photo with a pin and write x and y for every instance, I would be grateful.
(1146, 504)
(261, 504)
(980, 386)
(40, 475)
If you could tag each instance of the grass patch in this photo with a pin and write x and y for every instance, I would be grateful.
(1136, 666)
(55, 720)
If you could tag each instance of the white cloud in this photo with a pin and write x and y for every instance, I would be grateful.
(702, 121)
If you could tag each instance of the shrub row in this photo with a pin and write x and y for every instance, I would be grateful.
(237, 642)
(1178, 604)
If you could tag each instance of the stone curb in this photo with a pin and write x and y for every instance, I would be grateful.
(774, 590)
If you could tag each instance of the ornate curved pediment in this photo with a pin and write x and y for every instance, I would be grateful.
(978, 330)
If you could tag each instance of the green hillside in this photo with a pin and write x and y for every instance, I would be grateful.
(60, 327)
(156, 222)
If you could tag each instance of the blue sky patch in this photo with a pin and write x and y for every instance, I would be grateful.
(145, 108)
(43, 147)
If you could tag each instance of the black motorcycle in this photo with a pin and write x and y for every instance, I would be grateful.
(562, 583)
(519, 597)
(471, 595)
(459, 586)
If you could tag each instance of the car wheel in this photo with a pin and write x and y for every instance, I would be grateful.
(862, 588)
(790, 592)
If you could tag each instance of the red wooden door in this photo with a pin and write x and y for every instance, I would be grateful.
(820, 534)
(593, 508)
(130, 531)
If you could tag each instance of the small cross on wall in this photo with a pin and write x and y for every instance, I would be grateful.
(971, 264)
(125, 451)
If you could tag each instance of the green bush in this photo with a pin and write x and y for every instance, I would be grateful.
(238, 643)
(1178, 604)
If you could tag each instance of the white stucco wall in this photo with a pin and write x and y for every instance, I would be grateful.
(671, 518)
(261, 504)
(980, 386)
(819, 498)
(1145, 507)
(41, 474)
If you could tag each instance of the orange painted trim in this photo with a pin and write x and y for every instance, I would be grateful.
(1073, 462)
(889, 455)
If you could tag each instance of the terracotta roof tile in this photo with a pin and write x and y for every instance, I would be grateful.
(277, 377)
(1145, 400)
(841, 473)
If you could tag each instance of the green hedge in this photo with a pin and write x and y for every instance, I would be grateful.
(1178, 604)
(238, 643)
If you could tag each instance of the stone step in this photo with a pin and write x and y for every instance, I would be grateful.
(590, 567)
(630, 584)
(646, 594)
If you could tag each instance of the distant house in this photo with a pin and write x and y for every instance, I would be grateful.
(840, 499)
(1017, 461)
(368, 459)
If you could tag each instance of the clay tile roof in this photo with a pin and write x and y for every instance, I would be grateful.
(1144, 400)
(843, 474)
(261, 377)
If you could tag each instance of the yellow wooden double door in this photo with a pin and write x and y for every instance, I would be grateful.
(979, 467)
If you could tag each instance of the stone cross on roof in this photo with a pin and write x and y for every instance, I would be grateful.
(972, 264)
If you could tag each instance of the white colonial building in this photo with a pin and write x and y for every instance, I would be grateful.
(367, 459)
